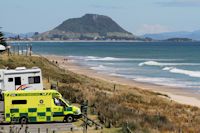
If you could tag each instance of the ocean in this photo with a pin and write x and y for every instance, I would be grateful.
(174, 64)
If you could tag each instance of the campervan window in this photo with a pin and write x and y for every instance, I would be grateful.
(10, 79)
(19, 101)
(34, 80)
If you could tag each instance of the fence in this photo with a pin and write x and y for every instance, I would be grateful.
(20, 50)
(38, 128)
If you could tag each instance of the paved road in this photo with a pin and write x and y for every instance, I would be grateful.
(43, 127)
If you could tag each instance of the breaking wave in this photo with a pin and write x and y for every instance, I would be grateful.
(100, 67)
(155, 63)
(96, 58)
(190, 73)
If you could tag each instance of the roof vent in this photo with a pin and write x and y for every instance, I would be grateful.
(35, 67)
(20, 68)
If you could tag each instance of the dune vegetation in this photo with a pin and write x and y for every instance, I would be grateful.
(144, 111)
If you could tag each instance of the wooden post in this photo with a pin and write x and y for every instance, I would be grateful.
(26, 49)
(22, 49)
(30, 50)
(8, 50)
(26, 129)
(48, 79)
(13, 50)
(10, 129)
(38, 130)
(47, 130)
(18, 49)
(71, 129)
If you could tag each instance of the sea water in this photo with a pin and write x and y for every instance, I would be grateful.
(165, 63)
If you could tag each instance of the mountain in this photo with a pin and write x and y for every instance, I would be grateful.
(178, 40)
(22, 35)
(195, 35)
(87, 27)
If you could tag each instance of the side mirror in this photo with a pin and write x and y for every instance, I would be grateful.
(64, 107)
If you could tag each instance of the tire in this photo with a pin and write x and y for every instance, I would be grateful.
(23, 120)
(69, 119)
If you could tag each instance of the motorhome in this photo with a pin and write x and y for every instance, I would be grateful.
(21, 79)
(47, 106)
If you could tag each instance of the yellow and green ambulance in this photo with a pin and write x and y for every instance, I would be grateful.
(37, 106)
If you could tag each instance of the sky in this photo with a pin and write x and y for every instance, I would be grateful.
(136, 16)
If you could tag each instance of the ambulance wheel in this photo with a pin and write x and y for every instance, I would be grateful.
(23, 120)
(69, 119)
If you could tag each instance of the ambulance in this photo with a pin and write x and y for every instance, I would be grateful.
(35, 106)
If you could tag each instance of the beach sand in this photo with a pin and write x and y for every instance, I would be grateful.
(180, 95)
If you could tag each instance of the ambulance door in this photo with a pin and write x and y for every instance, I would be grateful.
(18, 84)
(58, 113)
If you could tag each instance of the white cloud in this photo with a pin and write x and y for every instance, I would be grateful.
(180, 3)
(149, 29)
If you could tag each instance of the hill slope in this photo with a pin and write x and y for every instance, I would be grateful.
(91, 23)
(144, 110)
(195, 35)
(87, 27)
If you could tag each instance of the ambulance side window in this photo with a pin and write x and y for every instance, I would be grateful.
(62, 103)
(19, 102)
(56, 102)
(59, 102)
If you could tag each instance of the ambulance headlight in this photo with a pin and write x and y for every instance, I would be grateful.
(78, 111)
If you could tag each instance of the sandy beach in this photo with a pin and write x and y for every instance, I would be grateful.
(180, 95)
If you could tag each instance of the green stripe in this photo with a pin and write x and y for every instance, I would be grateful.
(7, 115)
(32, 110)
(23, 114)
(58, 114)
(48, 118)
(15, 119)
(32, 119)
(41, 114)
(14, 110)
(48, 109)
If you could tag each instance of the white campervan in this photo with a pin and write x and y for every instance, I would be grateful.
(21, 79)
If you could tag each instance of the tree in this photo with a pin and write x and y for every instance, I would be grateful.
(2, 39)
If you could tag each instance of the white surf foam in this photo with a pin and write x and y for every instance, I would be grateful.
(168, 82)
(150, 63)
(155, 63)
(96, 58)
(190, 73)
(100, 67)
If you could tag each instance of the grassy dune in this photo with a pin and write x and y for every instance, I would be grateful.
(144, 111)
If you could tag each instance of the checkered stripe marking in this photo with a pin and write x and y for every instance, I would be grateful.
(33, 114)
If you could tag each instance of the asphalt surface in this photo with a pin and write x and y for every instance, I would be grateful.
(39, 128)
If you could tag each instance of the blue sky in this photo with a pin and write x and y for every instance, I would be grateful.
(136, 16)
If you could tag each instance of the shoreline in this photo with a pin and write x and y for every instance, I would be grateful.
(90, 41)
(179, 95)
(80, 41)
